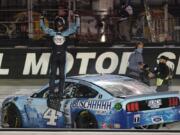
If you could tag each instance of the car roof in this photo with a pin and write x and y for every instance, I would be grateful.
(100, 77)
(112, 83)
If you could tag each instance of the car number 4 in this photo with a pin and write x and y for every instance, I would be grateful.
(51, 115)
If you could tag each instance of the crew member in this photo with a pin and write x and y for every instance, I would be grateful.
(162, 74)
(136, 62)
(136, 68)
(58, 56)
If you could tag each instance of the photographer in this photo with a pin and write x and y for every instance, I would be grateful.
(146, 75)
(163, 74)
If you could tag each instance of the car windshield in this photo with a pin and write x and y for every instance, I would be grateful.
(125, 87)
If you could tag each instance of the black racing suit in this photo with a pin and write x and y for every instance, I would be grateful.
(57, 61)
(58, 58)
(162, 77)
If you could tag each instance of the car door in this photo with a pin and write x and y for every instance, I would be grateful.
(68, 98)
(39, 115)
(73, 93)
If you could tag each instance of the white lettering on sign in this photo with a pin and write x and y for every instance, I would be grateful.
(85, 63)
(113, 65)
(85, 57)
(124, 62)
(178, 67)
(69, 62)
(31, 65)
(3, 71)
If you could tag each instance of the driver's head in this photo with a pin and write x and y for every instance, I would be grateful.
(59, 23)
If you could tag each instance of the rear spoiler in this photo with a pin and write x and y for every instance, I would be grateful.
(154, 94)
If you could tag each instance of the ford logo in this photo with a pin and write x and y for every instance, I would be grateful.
(157, 119)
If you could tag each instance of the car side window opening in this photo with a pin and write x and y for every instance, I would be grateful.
(69, 90)
(83, 91)
(72, 90)
(75, 90)
(43, 94)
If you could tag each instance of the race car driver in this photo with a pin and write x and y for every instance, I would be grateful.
(59, 36)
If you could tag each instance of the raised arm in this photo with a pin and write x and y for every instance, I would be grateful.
(45, 29)
(73, 27)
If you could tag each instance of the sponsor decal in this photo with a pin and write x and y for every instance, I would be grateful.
(155, 103)
(117, 125)
(101, 112)
(137, 118)
(92, 104)
(118, 106)
(104, 125)
(3, 71)
(59, 40)
(51, 116)
(157, 119)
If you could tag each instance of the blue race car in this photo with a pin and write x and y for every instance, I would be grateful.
(94, 101)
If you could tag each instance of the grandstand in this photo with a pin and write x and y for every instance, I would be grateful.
(19, 21)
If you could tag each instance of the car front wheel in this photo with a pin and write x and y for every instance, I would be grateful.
(11, 117)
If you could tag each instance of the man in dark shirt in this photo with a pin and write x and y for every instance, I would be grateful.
(58, 57)
(125, 12)
(162, 73)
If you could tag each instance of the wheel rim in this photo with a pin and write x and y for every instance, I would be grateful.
(86, 121)
(14, 120)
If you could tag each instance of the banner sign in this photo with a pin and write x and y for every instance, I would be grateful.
(34, 62)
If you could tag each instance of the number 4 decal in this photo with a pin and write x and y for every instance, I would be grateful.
(51, 115)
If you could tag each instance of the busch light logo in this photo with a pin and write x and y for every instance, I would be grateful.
(156, 103)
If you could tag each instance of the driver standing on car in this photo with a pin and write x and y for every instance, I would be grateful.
(58, 57)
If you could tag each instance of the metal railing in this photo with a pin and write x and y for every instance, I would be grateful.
(14, 24)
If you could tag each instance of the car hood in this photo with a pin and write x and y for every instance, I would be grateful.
(13, 99)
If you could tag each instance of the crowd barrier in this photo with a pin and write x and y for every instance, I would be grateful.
(33, 62)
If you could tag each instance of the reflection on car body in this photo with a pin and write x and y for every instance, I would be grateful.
(94, 101)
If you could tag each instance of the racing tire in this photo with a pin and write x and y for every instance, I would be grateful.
(156, 126)
(12, 117)
(85, 120)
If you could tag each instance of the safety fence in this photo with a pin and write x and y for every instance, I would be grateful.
(23, 22)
